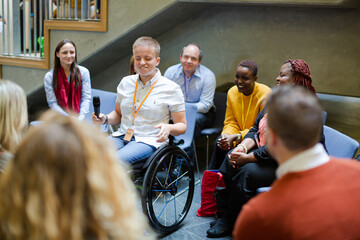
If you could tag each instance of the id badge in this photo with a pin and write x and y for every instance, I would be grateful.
(129, 134)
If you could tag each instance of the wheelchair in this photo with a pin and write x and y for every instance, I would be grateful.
(166, 179)
(167, 186)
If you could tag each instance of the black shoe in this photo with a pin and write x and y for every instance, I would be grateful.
(212, 223)
(220, 229)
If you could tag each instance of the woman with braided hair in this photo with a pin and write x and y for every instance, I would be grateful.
(296, 72)
(249, 166)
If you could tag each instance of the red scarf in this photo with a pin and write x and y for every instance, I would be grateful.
(67, 96)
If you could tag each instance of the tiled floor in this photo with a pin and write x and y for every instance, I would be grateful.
(193, 227)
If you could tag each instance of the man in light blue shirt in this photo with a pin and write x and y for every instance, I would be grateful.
(197, 83)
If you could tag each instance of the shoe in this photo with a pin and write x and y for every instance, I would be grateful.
(212, 223)
(220, 229)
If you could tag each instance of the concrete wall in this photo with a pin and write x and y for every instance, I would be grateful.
(123, 16)
(327, 38)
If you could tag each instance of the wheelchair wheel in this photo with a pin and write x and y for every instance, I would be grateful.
(168, 189)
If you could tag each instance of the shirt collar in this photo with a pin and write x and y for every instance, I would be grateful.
(153, 80)
(306, 160)
(196, 73)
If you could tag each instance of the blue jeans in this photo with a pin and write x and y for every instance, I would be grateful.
(132, 152)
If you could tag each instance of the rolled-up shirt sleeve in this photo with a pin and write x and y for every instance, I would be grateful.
(207, 95)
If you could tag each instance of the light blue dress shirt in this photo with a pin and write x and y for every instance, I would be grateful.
(85, 94)
(199, 88)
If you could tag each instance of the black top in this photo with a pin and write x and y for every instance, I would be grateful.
(261, 153)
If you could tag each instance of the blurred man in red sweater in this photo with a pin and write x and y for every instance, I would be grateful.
(315, 196)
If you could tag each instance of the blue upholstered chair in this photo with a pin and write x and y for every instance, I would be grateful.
(107, 105)
(339, 144)
(216, 128)
(189, 146)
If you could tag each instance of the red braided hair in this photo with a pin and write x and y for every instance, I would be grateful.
(302, 74)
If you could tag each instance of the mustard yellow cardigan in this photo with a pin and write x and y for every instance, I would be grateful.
(234, 111)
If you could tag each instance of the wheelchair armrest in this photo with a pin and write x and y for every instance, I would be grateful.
(176, 142)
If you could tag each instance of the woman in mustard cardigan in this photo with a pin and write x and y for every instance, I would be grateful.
(244, 102)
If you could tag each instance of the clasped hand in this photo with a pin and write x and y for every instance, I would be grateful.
(225, 141)
(238, 157)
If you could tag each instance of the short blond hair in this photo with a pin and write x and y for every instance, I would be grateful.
(149, 42)
(13, 115)
(65, 183)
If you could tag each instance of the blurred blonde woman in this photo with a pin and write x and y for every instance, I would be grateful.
(13, 119)
(71, 187)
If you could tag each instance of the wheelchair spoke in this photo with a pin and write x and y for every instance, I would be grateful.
(181, 192)
(182, 175)
(174, 209)
(179, 170)
(157, 179)
(176, 201)
(166, 203)
(167, 169)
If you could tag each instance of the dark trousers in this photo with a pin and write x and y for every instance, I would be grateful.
(218, 156)
(203, 120)
(242, 183)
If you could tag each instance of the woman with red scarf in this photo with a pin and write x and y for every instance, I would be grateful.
(67, 85)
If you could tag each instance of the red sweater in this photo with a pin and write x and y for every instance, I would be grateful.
(320, 203)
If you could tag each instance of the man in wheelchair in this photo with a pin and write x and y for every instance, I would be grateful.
(145, 102)
(144, 105)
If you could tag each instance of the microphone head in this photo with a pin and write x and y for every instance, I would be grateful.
(96, 101)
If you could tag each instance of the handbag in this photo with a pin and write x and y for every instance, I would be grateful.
(210, 180)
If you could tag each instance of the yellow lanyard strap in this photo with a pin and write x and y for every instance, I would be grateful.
(247, 112)
(134, 113)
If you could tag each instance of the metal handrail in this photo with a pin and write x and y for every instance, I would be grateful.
(22, 22)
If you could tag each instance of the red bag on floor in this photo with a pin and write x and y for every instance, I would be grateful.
(210, 180)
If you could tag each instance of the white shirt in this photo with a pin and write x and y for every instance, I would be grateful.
(306, 160)
(166, 97)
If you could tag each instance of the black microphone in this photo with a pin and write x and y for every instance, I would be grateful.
(96, 104)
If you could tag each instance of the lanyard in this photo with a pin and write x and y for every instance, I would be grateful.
(134, 113)
(248, 109)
